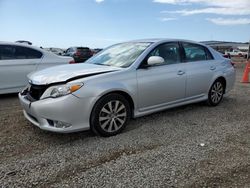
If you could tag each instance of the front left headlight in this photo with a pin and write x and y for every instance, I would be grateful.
(61, 90)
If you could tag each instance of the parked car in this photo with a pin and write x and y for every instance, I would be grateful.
(80, 54)
(17, 60)
(96, 50)
(235, 52)
(124, 81)
(57, 51)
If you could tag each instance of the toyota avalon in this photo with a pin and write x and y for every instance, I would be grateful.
(125, 81)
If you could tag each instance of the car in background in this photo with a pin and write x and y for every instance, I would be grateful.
(57, 51)
(17, 60)
(124, 81)
(80, 54)
(236, 52)
(96, 50)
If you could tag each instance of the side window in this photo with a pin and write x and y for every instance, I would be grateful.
(194, 52)
(168, 51)
(27, 53)
(7, 52)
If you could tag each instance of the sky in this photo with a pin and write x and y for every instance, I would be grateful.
(100, 23)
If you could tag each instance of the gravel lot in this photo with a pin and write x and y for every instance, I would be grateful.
(161, 150)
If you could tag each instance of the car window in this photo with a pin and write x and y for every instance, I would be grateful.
(27, 53)
(82, 49)
(67, 51)
(195, 52)
(7, 52)
(168, 51)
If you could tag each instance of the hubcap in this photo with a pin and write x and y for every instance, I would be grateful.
(112, 116)
(217, 92)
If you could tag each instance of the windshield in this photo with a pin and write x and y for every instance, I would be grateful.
(120, 55)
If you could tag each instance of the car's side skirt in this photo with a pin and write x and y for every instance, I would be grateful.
(157, 108)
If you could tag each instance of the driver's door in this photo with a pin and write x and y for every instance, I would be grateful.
(163, 84)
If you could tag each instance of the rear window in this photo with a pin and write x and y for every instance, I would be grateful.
(8, 52)
(82, 49)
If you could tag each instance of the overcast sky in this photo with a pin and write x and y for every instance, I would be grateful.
(99, 23)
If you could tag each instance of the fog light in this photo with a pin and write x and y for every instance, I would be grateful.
(60, 124)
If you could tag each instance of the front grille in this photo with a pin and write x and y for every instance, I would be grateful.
(36, 91)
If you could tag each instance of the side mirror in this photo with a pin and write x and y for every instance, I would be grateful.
(155, 60)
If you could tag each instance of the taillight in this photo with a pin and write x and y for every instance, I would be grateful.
(72, 62)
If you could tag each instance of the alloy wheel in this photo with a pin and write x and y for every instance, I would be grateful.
(112, 116)
(217, 92)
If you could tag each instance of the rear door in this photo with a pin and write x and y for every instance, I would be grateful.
(15, 63)
(162, 84)
(200, 68)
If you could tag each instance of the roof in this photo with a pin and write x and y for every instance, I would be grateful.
(156, 40)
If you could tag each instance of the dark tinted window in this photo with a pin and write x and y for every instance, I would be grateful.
(27, 53)
(169, 52)
(7, 52)
(195, 52)
(18, 52)
(82, 49)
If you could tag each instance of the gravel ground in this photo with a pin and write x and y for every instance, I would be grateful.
(190, 146)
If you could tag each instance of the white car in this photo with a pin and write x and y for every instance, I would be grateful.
(236, 52)
(18, 60)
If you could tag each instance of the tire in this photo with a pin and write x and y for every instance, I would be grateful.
(110, 115)
(216, 93)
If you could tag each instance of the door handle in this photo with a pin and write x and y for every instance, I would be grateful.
(212, 68)
(180, 72)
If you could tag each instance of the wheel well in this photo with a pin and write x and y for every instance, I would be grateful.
(126, 96)
(224, 82)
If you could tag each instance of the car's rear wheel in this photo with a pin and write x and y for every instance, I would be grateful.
(110, 115)
(216, 93)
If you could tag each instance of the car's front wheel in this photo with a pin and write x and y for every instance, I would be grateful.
(110, 115)
(216, 93)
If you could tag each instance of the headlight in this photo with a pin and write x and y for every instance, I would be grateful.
(61, 90)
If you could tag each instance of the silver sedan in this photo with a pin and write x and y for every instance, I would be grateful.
(124, 81)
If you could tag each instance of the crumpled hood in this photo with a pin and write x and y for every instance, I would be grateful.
(63, 73)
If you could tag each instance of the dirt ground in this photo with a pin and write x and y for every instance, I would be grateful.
(189, 146)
